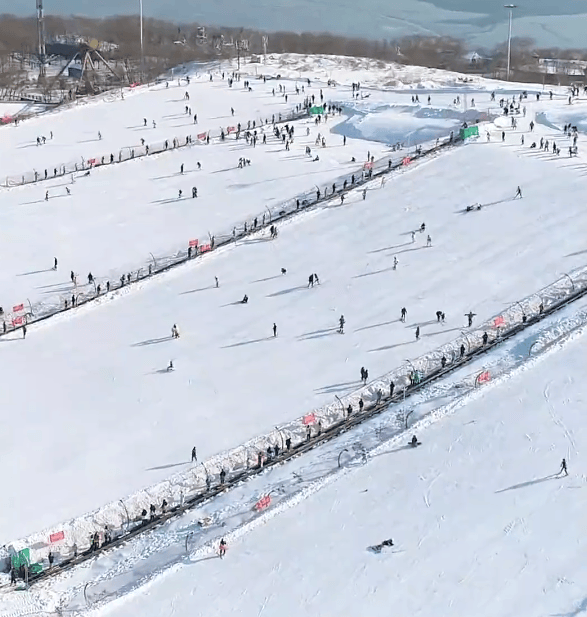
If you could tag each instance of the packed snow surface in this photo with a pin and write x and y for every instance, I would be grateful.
(91, 414)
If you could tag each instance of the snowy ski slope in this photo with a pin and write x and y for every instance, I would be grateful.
(103, 418)
(480, 521)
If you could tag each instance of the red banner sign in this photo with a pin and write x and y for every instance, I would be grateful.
(91, 162)
(263, 503)
(310, 419)
(406, 161)
(368, 165)
(18, 307)
(204, 248)
(17, 321)
(484, 377)
(193, 243)
(137, 83)
(230, 129)
(55, 537)
(202, 136)
(499, 321)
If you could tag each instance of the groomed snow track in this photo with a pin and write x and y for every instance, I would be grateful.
(282, 212)
(323, 437)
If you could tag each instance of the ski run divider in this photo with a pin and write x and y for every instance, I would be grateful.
(186, 490)
(129, 153)
(82, 294)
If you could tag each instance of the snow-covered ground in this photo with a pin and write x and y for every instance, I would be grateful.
(103, 417)
(480, 520)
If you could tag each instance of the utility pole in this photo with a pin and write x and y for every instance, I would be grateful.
(511, 8)
(141, 28)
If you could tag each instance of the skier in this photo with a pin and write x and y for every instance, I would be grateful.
(72, 276)
(311, 280)
(341, 323)
(404, 314)
(428, 241)
(170, 365)
(470, 316)
(417, 333)
(364, 194)
(274, 330)
(316, 279)
(194, 192)
(518, 193)
(180, 194)
(438, 316)
(46, 195)
(222, 549)
(563, 468)
(181, 169)
(67, 190)
(422, 228)
(174, 332)
(55, 263)
(395, 262)
(217, 284)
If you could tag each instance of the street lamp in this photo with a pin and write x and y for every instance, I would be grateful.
(511, 8)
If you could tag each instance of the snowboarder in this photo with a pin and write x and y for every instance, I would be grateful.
(274, 330)
(422, 228)
(438, 316)
(283, 271)
(245, 299)
(404, 314)
(341, 323)
(414, 441)
(170, 366)
(222, 547)
(563, 468)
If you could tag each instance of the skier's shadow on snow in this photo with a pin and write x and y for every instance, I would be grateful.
(269, 278)
(232, 303)
(577, 253)
(168, 466)
(361, 276)
(530, 483)
(35, 272)
(388, 248)
(284, 292)
(442, 331)
(337, 387)
(152, 341)
(243, 343)
(309, 336)
(377, 325)
(386, 347)
(193, 291)
(400, 449)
